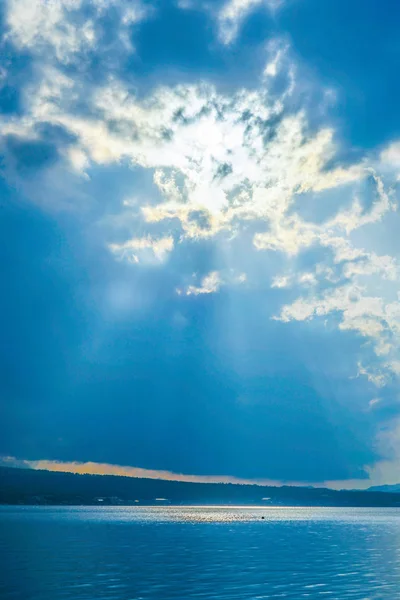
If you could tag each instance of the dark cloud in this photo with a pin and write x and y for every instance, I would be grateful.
(26, 157)
(82, 385)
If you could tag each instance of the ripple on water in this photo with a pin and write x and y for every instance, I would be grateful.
(170, 553)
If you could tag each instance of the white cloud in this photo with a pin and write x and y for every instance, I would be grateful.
(356, 217)
(212, 165)
(144, 249)
(307, 279)
(232, 14)
(374, 402)
(369, 316)
(394, 366)
(62, 27)
(280, 281)
(38, 23)
(212, 283)
(209, 285)
(302, 279)
(277, 51)
(391, 155)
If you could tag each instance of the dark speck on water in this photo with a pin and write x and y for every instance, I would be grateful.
(210, 553)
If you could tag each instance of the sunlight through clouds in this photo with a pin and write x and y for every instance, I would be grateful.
(221, 164)
(230, 192)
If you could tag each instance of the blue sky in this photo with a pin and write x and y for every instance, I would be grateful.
(199, 238)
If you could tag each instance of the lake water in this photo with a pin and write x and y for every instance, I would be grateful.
(132, 553)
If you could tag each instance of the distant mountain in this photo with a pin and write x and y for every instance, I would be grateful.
(391, 489)
(24, 486)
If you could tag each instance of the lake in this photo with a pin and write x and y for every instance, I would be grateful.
(145, 553)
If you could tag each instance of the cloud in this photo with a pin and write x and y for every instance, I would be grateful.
(378, 378)
(143, 249)
(357, 217)
(278, 51)
(39, 25)
(280, 281)
(233, 13)
(374, 402)
(368, 316)
(212, 283)
(212, 164)
(221, 165)
(67, 28)
(391, 155)
(209, 284)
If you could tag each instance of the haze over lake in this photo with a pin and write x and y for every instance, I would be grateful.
(118, 553)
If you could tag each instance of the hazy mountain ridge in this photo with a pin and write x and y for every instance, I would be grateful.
(391, 489)
(24, 486)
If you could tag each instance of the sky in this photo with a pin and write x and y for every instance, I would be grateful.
(199, 217)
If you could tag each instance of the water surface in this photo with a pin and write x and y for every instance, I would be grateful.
(133, 553)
